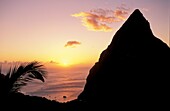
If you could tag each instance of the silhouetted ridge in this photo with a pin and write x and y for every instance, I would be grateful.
(132, 71)
(132, 33)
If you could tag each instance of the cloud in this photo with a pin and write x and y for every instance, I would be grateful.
(72, 44)
(121, 12)
(145, 9)
(100, 19)
(95, 22)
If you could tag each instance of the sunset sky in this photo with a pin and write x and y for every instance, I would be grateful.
(70, 32)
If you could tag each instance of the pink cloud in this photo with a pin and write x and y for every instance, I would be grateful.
(100, 19)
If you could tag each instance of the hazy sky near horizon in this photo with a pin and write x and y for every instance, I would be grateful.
(70, 31)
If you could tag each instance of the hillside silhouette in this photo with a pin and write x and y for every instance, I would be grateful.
(132, 73)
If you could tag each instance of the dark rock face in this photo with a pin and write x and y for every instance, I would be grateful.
(132, 71)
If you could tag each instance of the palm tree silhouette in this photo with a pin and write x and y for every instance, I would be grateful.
(17, 77)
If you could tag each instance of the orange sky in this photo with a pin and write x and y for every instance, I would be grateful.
(70, 32)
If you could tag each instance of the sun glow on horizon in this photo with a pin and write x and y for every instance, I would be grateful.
(64, 62)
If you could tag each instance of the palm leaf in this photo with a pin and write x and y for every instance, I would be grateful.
(8, 74)
(20, 76)
(37, 75)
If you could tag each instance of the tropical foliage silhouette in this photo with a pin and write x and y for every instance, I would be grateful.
(19, 76)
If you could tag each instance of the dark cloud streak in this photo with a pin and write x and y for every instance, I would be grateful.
(72, 43)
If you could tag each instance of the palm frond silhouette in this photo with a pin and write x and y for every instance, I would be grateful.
(18, 77)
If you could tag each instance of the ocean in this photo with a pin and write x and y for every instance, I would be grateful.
(61, 84)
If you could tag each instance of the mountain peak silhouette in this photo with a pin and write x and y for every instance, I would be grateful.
(133, 69)
(136, 15)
